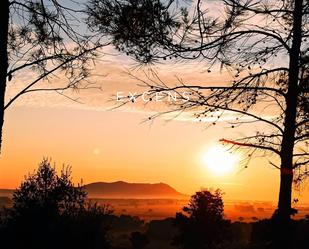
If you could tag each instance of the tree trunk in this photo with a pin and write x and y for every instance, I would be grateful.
(4, 23)
(285, 194)
(287, 146)
(288, 140)
(283, 231)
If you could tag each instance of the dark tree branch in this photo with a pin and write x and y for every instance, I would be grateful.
(250, 145)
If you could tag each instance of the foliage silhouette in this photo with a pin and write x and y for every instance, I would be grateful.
(41, 39)
(265, 234)
(261, 44)
(138, 26)
(50, 212)
(202, 225)
(139, 240)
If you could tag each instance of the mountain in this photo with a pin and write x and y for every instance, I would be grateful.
(124, 190)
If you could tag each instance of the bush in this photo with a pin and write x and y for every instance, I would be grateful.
(48, 211)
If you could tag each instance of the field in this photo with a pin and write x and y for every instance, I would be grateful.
(157, 209)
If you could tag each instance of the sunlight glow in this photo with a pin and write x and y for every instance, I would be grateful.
(219, 160)
(96, 151)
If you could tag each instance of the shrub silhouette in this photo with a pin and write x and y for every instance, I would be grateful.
(139, 240)
(266, 234)
(202, 225)
(48, 211)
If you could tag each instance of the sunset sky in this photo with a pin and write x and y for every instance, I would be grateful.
(105, 145)
(110, 145)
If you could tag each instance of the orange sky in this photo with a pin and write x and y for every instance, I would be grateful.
(111, 146)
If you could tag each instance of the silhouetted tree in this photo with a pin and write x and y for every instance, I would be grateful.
(262, 44)
(40, 39)
(202, 225)
(139, 240)
(48, 190)
(49, 211)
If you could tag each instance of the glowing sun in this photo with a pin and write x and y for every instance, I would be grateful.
(219, 160)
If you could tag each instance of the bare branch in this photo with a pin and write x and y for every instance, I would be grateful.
(250, 145)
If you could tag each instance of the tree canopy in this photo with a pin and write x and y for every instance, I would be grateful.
(45, 40)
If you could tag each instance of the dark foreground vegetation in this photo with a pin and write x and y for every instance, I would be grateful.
(49, 211)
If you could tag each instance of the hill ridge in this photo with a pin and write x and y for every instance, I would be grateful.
(122, 189)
